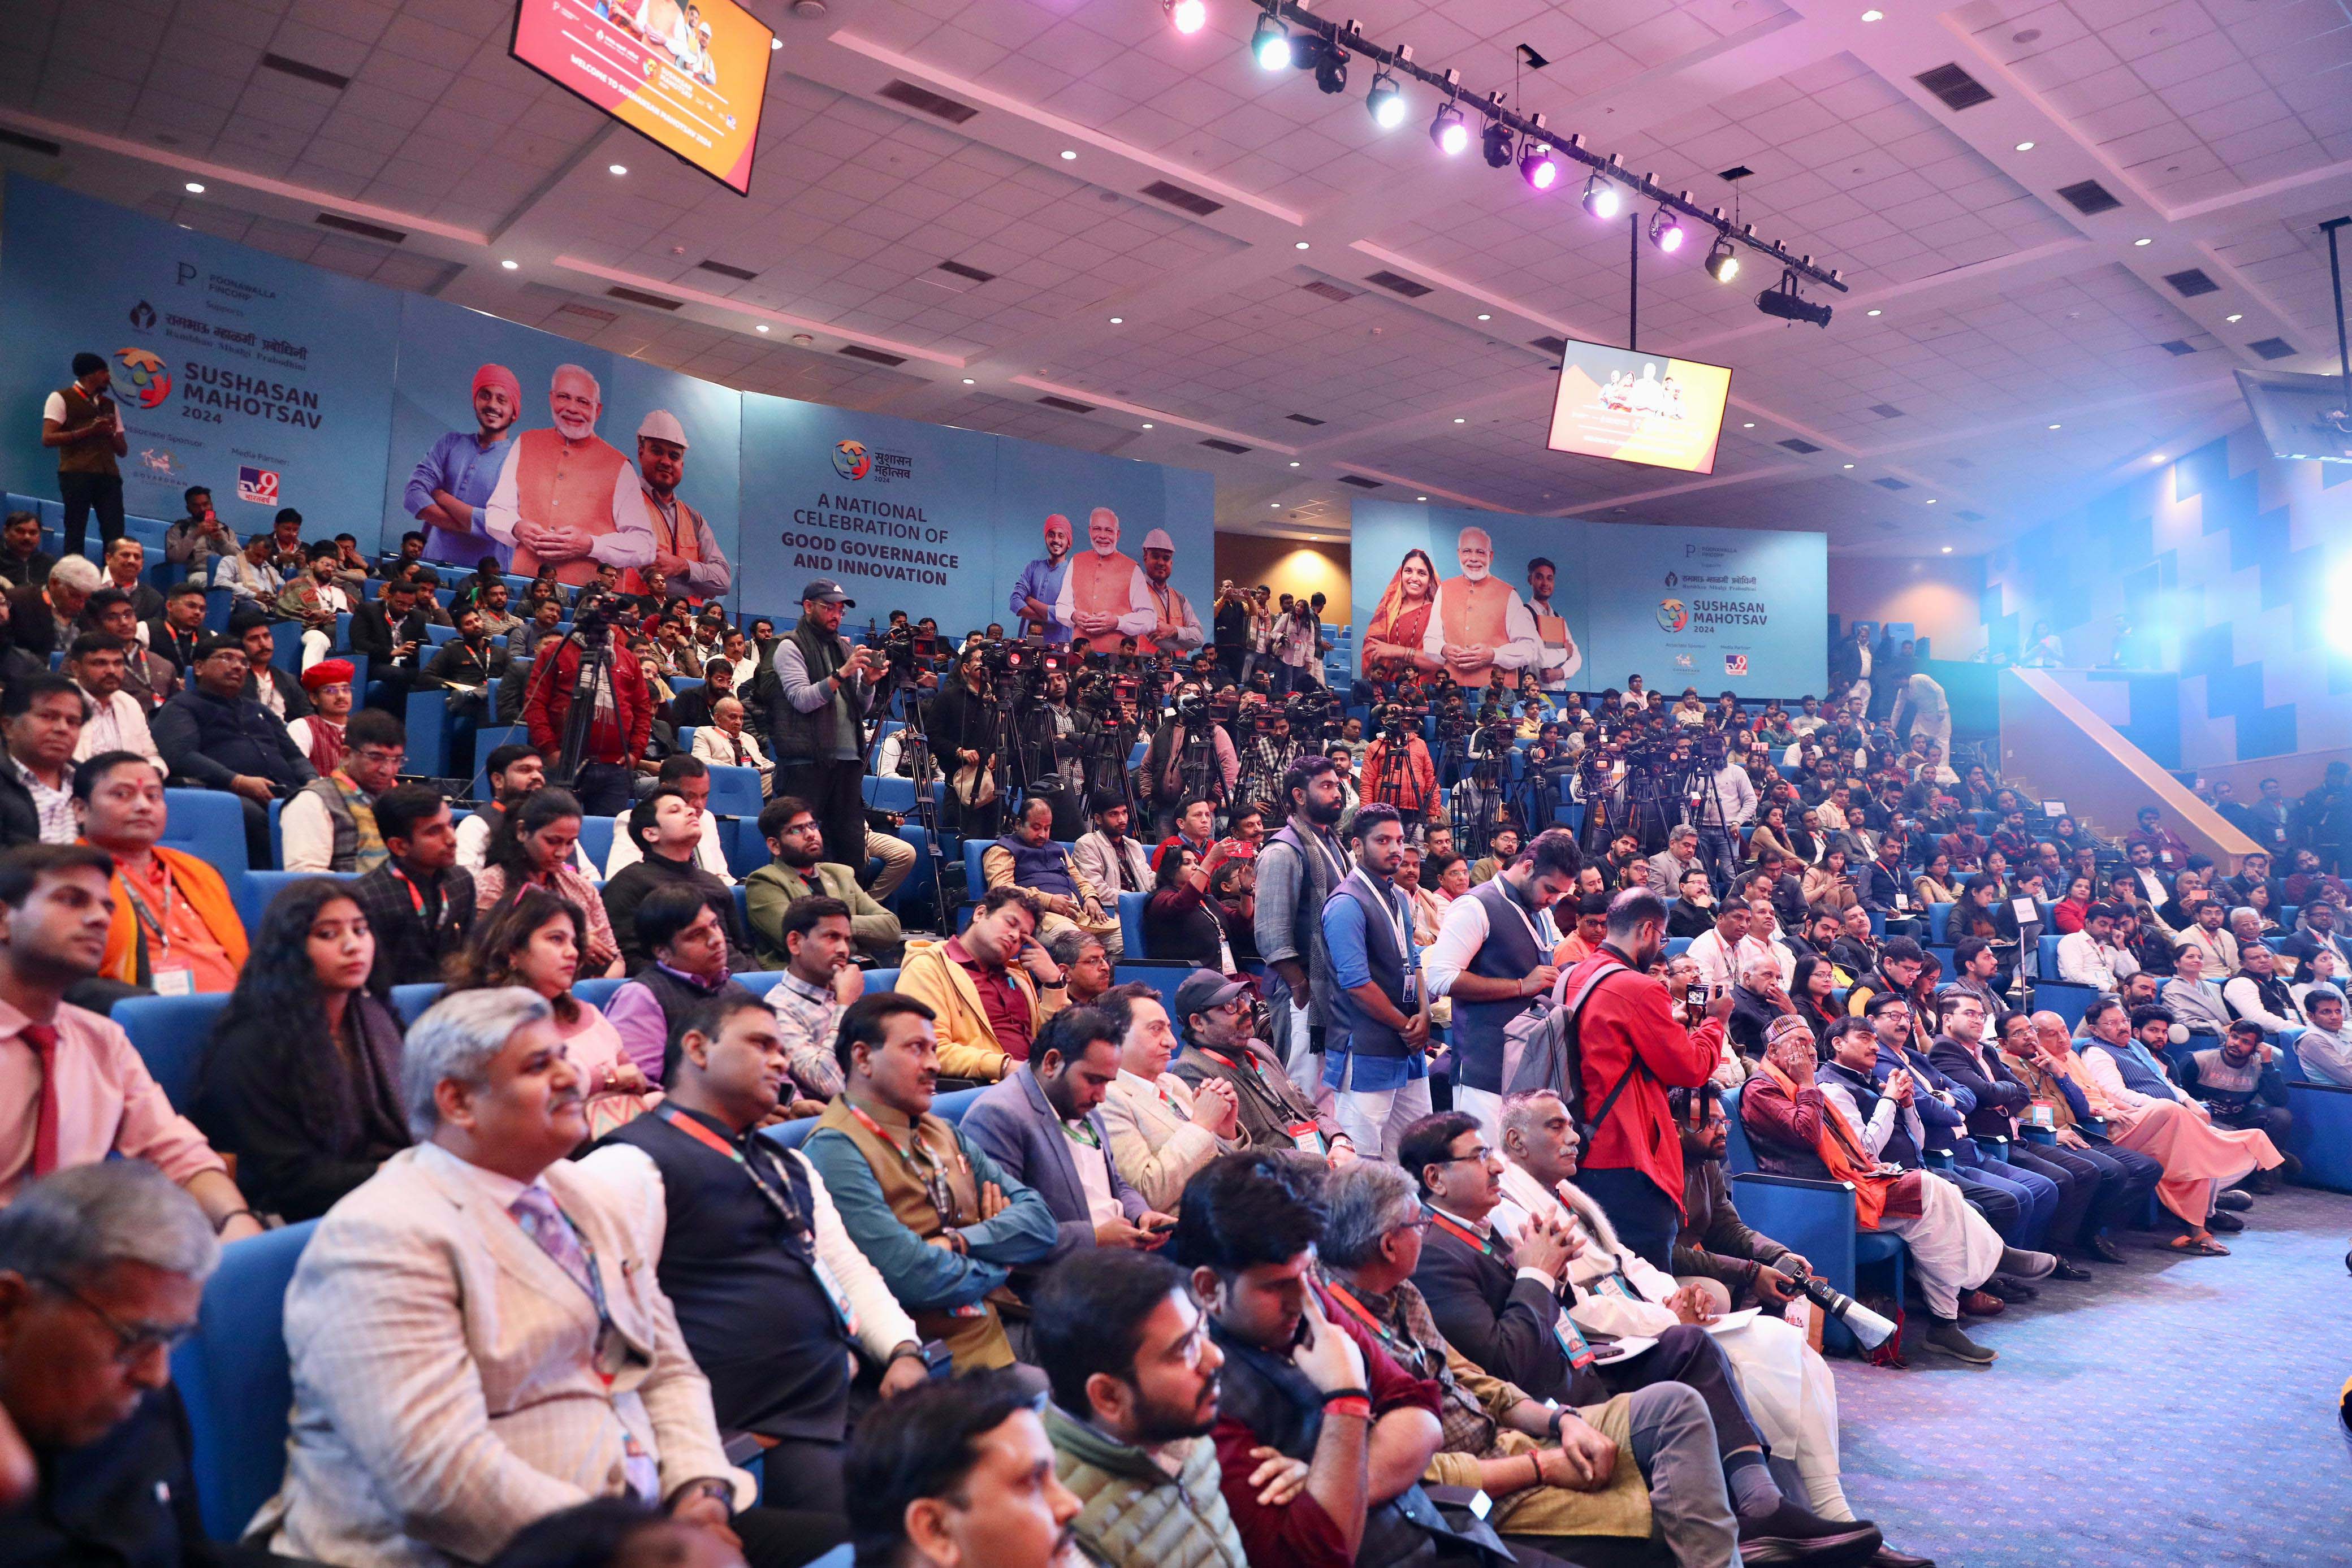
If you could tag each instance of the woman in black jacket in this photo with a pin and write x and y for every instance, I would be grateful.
(301, 1077)
(1181, 921)
(962, 723)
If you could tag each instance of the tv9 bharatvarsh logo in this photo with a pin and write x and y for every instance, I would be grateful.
(854, 460)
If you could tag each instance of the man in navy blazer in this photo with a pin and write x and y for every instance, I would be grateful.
(1041, 1124)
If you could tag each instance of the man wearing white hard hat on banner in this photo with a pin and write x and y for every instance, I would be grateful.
(1176, 626)
(1103, 596)
(686, 552)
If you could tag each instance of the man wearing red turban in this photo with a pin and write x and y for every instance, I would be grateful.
(451, 486)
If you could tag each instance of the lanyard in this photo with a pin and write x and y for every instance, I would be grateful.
(923, 1165)
(416, 895)
(1084, 1132)
(1406, 1350)
(607, 1335)
(158, 930)
(1485, 1244)
(781, 1202)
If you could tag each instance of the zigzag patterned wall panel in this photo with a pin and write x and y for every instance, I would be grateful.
(2218, 566)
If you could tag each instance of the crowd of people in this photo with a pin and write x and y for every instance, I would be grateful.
(1395, 1230)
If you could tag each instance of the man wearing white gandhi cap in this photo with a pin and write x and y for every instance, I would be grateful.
(1176, 626)
(686, 552)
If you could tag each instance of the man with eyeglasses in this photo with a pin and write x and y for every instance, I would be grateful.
(102, 1269)
(1212, 1015)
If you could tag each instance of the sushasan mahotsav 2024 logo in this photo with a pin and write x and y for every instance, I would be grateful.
(1673, 614)
(853, 459)
(151, 380)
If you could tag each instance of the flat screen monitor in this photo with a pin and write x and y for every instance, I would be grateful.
(2299, 416)
(1639, 408)
(690, 73)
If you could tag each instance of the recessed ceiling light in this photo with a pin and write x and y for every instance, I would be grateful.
(1948, 550)
(2156, 457)
(1461, 421)
(510, 264)
(1275, 505)
(969, 382)
(2053, 427)
(1874, 15)
(1147, 425)
(1870, 312)
(1118, 320)
(1294, 465)
(2143, 239)
(2239, 317)
(1931, 500)
(1486, 316)
(195, 188)
(1749, 425)
(756, 326)
(1300, 245)
(1849, 464)
(1420, 497)
(2025, 147)
(1068, 155)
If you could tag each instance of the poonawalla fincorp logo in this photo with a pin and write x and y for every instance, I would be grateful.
(851, 460)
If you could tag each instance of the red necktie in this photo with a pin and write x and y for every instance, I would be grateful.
(43, 1039)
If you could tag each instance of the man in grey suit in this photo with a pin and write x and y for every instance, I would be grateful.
(477, 1341)
(1041, 1124)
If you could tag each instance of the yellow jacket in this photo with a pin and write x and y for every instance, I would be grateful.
(968, 1045)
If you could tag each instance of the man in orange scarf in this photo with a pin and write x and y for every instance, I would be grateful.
(1798, 1131)
(176, 930)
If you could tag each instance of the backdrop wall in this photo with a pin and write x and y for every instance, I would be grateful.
(278, 383)
(1721, 609)
(1290, 566)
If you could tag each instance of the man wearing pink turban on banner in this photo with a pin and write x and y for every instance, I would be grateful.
(451, 487)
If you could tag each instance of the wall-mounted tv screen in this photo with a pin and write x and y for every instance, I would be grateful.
(1639, 408)
(690, 73)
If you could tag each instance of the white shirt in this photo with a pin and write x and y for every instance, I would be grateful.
(626, 851)
(53, 411)
(1094, 1174)
(628, 546)
(2085, 960)
(1881, 1126)
(2221, 949)
(2247, 1003)
(1718, 965)
(473, 845)
(118, 723)
(715, 746)
(1464, 932)
(1734, 792)
(307, 832)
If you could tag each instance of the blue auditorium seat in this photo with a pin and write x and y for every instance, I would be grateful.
(1816, 1218)
(880, 980)
(2067, 999)
(889, 792)
(428, 734)
(596, 992)
(1131, 924)
(169, 1033)
(254, 890)
(2321, 1133)
(950, 1106)
(1940, 915)
(208, 824)
(743, 905)
(597, 838)
(276, 833)
(487, 741)
(734, 792)
(747, 851)
(410, 1001)
(1162, 976)
(235, 1379)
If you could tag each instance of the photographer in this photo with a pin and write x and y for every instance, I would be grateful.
(1170, 773)
(1398, 770)
(622, 719)
(824, 689)
(1266, 750)
(962, 721)
(1723, 804)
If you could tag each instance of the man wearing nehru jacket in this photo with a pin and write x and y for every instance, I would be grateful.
(1175, 625)
(1481, 625)
(1104, 597)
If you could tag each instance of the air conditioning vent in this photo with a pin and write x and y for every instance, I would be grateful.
(2177, 346)
(1885, 410)
(1332, 291)
(923, 100)
(1955, 86)
(1891, 483)
(1555, 346)
(1235, 447)
(589, 313)
(1794, 444)
(973, 273)
(1200, 206)
(41, 144)
(741, 274)
(2193, 283)
(1400, 284)
(318, 74)
(1359, 482)
(639, 297)
(354, 226)
(873, 356)
(2274, 349)
(1304, 419)
(2089, 197)
(1736, 171)
(1068, 405)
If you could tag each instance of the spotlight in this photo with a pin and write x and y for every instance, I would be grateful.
(1667, 231)
(1329, 63)
(1785, 303)
(1722, 261)
(1385, 101)
(1271, 44)
(1448, 131)
(1537, 167)
(1500, 149)
(1189, 16)
(1601, 198)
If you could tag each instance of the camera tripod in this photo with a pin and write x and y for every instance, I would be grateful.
(914, 744)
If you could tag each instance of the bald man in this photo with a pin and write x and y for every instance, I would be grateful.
(1481, 625)
(567, 498)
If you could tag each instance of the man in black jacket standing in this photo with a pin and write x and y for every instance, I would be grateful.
(214, 736)
(825, 688)
(390, 631)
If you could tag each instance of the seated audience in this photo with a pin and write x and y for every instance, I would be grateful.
(991, 989)
(534, 941)
(418, 904)
(1084, 963)
(117, 720)
(2325, 1050)
(174, 929)
(469, 666)
(665, 825)
(939, 1218)
(301, 1079)
(322, 734)
(1027, 857)
(1214, 1019)
(1109, 859)
(2094, 956)
(1182, 921)
(774, 1300)
(214, 736)
(2239, 1084)
(536, 843)
(957, 1475)
(577, 1382)
(2194, 1001)
(2208, 939)
(1161, 1131)
(819, 983)
(687, 964)
(41, 720)
(690, 777)
(330, 824)
(1716, 1245)
(2259, 994)
(799, 870)
(1506, 1307)
(1043, 1128)
(102, 1269)
(1754, 1003)
(1555, 1475)
(1798, 1131)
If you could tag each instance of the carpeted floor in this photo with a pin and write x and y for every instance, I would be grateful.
(2175, 1411)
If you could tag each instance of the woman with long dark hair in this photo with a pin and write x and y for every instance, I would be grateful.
(301, 1077)
(1400, 622)
(1811, 990)
(531, 847)
(962, 721)
(1180, 920)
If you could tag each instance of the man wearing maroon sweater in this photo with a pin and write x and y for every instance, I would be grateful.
(1633, 1051)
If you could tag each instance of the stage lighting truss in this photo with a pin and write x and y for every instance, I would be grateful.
(1507, 138)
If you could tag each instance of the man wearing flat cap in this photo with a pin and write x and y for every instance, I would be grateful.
(825, 688)
(686, 552)
(450, 489)
(1175, 625)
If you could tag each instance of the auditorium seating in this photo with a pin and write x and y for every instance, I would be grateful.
(208, 824)
(1816, 1218)
(234, 1376)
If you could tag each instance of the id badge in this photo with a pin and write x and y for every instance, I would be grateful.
(1307, 1136)
(1580, 1353)
(1411, 989)
(179, 982)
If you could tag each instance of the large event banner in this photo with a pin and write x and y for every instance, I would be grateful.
(1720, 608)
(266, 380)
(607, 446)
(949, 523)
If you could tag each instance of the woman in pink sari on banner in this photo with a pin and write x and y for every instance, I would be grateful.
(1400, 623)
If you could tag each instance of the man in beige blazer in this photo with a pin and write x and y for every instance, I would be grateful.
(478, 1343)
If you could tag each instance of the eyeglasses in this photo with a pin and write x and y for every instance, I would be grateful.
(1482, 1154)
(133, 1342)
